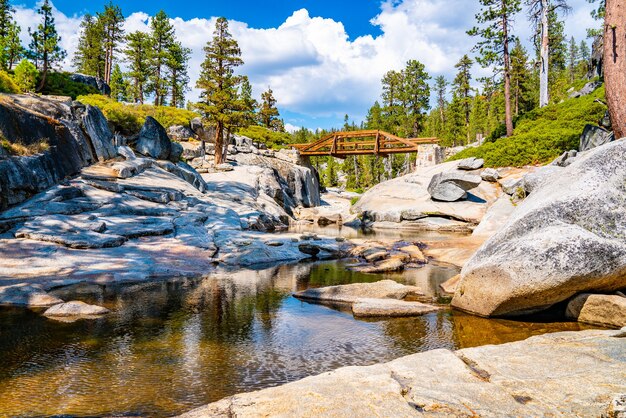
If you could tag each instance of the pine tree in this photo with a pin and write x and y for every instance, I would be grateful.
(26, 75)
(111, 22)
(11, 46)
(248, 104)
(520, 79)
(584, 58)
(268, 113)
(45, 45)
(6, 17)
(177, 63)
(441, 86)
(496, 18)
(90, 55)
(162, 39)
(462, 90)
(137, 55)
(572, 59)
(392, 105)
(415, 96)
(219, 103)
(119, 85)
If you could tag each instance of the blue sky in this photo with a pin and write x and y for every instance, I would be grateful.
(323, 59)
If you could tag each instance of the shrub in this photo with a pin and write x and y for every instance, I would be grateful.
(271, 139)
(7, 85)
(60, 84)
(128, 118)
(541, 135)
(26, 75)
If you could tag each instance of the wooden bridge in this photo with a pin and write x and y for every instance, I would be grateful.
(371, 142)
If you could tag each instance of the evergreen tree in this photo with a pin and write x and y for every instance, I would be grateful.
(111, 22)
(177, 63)
(6, 17)
(248, 104)
(584, 59)
(90, 56)
(162, 39)
(26, 76)
(392, 106)
(520, 79)
(268, 113)
(219, 105)
(137, 55)
(119, 85)
(462, 90)
(415, 96)
(374, 118)
(572, 59)
(45, 46)
(496, 18)
(11, 46)
(441, 86)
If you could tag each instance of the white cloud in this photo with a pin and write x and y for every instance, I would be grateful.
(291, 128)
(311, 64)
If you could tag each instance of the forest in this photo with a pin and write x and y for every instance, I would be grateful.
(522, 112)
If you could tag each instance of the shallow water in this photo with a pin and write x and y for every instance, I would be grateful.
(173, 346)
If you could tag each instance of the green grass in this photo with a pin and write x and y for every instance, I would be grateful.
(271, 139)
(128, 118)
(541, 135)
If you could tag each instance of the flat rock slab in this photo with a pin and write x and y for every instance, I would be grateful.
(385, 266)
(390, 308)
(351, 293)
(138, 226)
(30, 295)
(563, 374)
(75, 309)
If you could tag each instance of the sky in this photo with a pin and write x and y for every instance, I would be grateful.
(323, 59)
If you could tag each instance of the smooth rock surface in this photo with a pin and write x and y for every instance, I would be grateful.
(390, 308)
(30, 295)
(452, 186)
(563, 374)
(98, 130)
(603, 310)
(594, 136)
(471, 163)
(75, 308)
(351, 293)
(490, 174)
(556, 243)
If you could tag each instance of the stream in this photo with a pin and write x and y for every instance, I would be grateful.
(169, 347)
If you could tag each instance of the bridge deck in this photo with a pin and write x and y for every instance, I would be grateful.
(368, 142)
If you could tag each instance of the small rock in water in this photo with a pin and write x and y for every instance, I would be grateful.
(274, 243)
(309, 249)
(390, 308)
(31, 295)
(75, 308)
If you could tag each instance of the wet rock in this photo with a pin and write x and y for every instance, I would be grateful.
(415, 253)
(31, 295)
(385, 266)
(351, 293)
(490, 174)
(556, 243)
(594, 136)
(180, 133)
(75, 309)
(375, 254)
(310, 249)
(390, 308)
(97, 128)
(153, 140)
(450, 286)
(452, 186)
(471, 163)
(603, 310)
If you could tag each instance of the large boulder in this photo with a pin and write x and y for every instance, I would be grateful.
(153, 140)
(603, 310)
(95, 82)
(176, 151)
(452, 186)
(594, 136)
(180, 133)
(471, 163)
(98, 130)
(568, 236)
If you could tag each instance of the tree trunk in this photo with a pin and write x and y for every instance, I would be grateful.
(615, 64)
(507, 77)
(219, 143)
(544, 97)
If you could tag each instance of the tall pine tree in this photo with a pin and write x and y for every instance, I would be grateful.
(462, 90)
(111, 22)
(137, 53)
(89, 57)
(162, 39)
(496, 20)
(268, 113)
(45, 46)
(177, 61)
(219, 102)
(415, 96)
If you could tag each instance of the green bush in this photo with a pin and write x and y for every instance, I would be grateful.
(271, 139)
(128, 118)
(541, 135)
(7, 85)
(60, 84)
(25, 75)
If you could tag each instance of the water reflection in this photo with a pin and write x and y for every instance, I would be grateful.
(172, 346)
